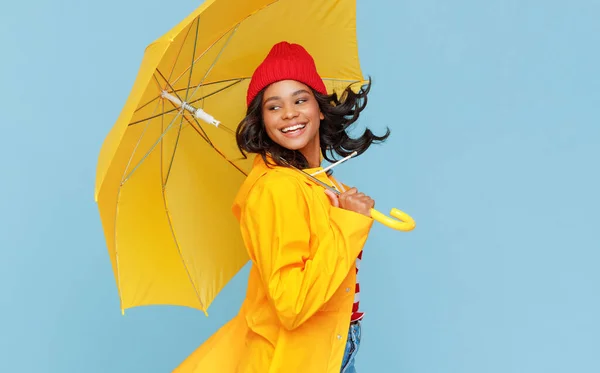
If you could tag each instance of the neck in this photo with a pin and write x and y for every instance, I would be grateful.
(312, 153)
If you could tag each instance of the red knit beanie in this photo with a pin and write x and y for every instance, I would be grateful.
(285, 61)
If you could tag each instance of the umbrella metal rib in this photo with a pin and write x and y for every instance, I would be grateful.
(234, 28)
(205, 135)
(185, 265)
(178, 54)
(126, 175)
(215, 60)
(193, 55)
(164, 180)
(234, 80)
(123, 179)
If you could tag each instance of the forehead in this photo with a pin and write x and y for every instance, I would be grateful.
(285, 88)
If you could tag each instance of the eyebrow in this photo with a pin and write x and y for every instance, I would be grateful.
(273, 98)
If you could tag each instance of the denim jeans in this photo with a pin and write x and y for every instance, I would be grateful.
(352, 345)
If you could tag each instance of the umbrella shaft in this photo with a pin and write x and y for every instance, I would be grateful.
(321, 183)
(197, 112)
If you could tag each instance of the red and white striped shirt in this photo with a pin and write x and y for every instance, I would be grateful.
(356, 314)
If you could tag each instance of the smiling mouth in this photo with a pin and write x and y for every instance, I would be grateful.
(293, 128)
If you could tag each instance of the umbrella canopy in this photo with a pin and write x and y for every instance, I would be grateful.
(169, 169)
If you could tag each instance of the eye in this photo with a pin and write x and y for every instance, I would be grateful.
(301, 101)
(271, 108)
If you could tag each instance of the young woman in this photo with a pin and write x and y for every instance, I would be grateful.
(301, 312)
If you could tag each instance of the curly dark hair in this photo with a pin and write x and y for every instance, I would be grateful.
(340, 114)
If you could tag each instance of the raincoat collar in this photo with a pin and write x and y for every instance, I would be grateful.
(260, 168)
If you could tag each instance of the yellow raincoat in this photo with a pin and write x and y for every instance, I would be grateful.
(296, 313)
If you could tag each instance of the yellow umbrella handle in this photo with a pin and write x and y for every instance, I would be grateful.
(403, 221)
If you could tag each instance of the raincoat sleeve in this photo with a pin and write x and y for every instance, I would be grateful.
(276, 225)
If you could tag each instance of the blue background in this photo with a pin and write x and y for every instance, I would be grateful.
(494, 150)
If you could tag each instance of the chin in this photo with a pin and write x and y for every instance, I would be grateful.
(293, 145)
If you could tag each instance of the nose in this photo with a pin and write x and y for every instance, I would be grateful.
(290, 112)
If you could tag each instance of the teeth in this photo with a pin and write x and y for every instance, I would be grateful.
(293, 128)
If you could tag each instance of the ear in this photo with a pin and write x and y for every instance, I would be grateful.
(321, 116)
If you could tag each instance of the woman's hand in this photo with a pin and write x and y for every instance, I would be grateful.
(352, 200)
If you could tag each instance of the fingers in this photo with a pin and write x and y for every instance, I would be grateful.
(333, 198)
(352, 200)
(351, 191)
(356, 201)
(346, 195)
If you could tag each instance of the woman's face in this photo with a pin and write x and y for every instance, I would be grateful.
(292, 116)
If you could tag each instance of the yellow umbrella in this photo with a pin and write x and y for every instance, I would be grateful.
(169, 169)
